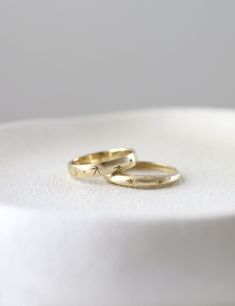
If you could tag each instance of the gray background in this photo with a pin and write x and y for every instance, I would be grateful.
(74, 57)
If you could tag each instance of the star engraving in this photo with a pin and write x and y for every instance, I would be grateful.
(130, 181)
(118, 168)
(96, 169)
(159, 182)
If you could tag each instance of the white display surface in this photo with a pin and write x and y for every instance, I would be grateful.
(65, 242)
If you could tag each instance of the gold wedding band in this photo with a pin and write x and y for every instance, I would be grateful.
(170, 175)
(102, 163)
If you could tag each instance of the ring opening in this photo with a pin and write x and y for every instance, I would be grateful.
(102, 156)
(150, 166)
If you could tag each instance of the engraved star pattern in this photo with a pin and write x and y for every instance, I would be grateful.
(159, 182)
(118, 168)
(96, 169)
(130, 181)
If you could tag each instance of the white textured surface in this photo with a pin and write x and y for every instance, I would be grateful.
(201, 144)
(84, 243)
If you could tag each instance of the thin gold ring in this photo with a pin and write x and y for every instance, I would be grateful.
(170, 175)
(102, 163)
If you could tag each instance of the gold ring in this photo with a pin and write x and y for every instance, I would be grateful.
(170, 175)
(102, 163)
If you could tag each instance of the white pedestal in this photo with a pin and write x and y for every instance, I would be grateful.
(89, 243)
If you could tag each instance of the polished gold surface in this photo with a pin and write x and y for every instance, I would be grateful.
(102, 163)
(169, 175)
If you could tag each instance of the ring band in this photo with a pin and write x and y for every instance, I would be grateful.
(170, 176)
(102, 163)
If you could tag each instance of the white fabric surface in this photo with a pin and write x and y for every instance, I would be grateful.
(69, 242)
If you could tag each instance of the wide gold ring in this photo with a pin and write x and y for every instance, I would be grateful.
(102, 163)
(169, 176)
